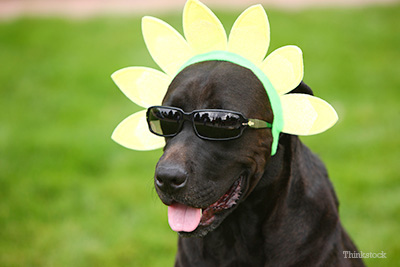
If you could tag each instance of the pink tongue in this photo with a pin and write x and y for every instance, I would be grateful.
(182, 218)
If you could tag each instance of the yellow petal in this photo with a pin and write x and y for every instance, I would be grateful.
(134, 133)
(306, 115)
(144, 86)
(284, 68)
(203, 30)
(166, 46)
(250, 34)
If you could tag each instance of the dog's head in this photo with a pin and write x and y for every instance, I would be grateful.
(212, 177)
(202, 181)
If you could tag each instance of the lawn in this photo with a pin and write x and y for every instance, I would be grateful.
(70, 196)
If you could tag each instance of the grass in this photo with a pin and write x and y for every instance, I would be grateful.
(69, 196)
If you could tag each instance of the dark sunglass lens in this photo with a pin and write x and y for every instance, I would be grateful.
(164, 121)
(217, 124)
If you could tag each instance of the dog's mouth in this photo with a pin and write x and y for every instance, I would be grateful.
(182, 218)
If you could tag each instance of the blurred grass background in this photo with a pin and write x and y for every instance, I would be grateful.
(69, 196)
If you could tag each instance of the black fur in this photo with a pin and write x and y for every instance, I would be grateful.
(287, 214)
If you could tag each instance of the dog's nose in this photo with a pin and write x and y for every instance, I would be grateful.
(170, 178)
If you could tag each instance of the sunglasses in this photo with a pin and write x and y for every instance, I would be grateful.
(209, 124)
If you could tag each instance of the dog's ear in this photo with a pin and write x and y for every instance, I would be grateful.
(302, 88)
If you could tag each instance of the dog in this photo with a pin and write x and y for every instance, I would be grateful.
(256, 209)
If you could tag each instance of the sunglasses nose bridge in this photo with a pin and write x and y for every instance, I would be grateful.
(187, 116)
(186, 121)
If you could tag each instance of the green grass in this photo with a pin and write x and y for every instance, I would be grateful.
(69, 196)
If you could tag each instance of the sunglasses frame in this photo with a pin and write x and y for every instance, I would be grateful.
(189, 116)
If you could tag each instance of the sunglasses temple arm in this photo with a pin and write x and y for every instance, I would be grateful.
(258, 124)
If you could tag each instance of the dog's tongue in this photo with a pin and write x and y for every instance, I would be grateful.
(182, 218)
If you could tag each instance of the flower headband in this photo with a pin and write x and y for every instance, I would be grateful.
(205, 40)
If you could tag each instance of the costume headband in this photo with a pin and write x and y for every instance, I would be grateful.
(205, 39)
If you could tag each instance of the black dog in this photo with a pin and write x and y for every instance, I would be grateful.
(258, 210)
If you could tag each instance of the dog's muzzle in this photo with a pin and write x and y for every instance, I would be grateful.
(184, 218)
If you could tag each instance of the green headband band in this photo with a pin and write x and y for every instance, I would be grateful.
(277, 123)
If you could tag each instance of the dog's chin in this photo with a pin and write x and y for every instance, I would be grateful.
(213, 215)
